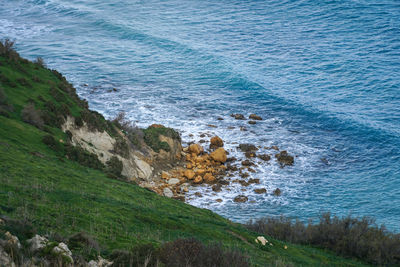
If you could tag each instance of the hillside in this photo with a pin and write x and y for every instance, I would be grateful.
(56, 186)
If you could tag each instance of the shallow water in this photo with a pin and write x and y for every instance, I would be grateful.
(324, 75)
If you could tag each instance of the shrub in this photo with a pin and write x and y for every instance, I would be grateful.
(21, 228)
(40, 62)
(32, 116)
(7, 50)
(191, 252)
(121, 147)
(132, 132)
(78, 121)
(346, 236)
(24, 82)
(5, 107)
(52, 143)
(139, 255)
(57, 95)
(114, 167)
(83, 157)
(84, 244)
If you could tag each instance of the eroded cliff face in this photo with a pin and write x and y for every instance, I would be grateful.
(139, 165)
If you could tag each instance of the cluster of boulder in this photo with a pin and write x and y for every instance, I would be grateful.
(40, 252)
(198, 167)
(212, 166)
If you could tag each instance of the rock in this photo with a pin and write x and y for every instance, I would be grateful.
(231, 159)
(220, 118)
(261, 240)
(180, 198)
(277, 192)
(255, 117)
(209, 178)
(185, 189)
(250, 154)
(231, 168)
(203, 135)
(219, 155)
(238, 116)
(164, 175)
(1, 222)
(248, 147)
(198, 179)
(216, 142)
(243, 129)
(173, 181)
(218, 200)
(275, 148)
(37, 243)
(243, 183)
(244, 175)
(198, 194)
(284, 159)
(251, 170)
(189, 174)
(260, 190)
(200, 172)
(212, 126)
(254, 181)
(264, 157)
(100, 262)
(202, 141)
(240, 198)
(62, 249)
(168, 192)
(247, 163)
(252, 122)
(5, 259)
(196, 149)
(217, 188)
(12, 240)
(223, 182)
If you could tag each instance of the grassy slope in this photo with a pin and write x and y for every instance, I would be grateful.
(61, 196)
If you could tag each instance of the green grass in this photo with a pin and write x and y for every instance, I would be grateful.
(60, 196)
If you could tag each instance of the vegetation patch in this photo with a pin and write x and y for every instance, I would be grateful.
(114, 167)
(152, 137)
(346, 236)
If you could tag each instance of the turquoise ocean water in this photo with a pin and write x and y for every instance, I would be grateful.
(324, 75)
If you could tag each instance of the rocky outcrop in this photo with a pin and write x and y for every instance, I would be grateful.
(240, 199)
(261, 240)
(63, 250)
(138, 164)
(100, 262)
(255, 117)
(37, 243)
(5, 258)
(284, 159)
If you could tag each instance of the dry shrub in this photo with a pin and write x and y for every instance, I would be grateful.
(140, 255)
(32, 116)
(191, 252)
(134, 133)
(347, 236)
(7, 50)
(40, 62)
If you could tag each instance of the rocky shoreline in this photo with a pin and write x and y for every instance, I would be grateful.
(206, 163)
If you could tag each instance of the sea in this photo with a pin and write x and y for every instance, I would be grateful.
(323, 75)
